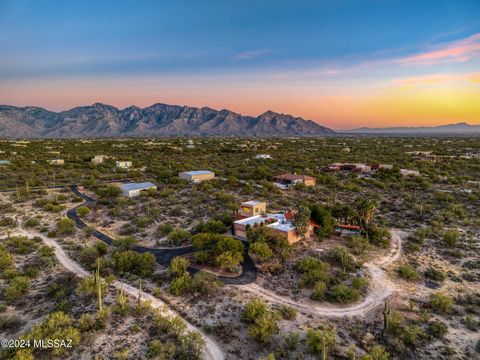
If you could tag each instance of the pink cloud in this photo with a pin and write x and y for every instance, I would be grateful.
(456, 51)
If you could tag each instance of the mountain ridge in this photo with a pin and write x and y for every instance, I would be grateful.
(454, 128)
(102, 120)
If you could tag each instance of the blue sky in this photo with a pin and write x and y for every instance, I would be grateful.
(320, 47)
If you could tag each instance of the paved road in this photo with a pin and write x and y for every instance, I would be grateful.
(212, 348)
(165, 256)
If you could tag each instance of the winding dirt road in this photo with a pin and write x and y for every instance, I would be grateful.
(212, 350)
(381, 288)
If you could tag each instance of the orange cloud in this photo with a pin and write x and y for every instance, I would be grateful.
(457, 51)
(475, 78)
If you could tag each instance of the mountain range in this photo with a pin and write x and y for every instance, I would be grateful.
(458, 128)
(100, 120)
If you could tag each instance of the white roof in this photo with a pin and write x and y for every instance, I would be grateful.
(252, 202)
(198, 172)
(281, 223)
(137, 186)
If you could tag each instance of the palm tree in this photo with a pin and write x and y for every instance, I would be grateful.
(365, 212)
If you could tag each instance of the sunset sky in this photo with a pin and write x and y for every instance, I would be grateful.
(344, 64)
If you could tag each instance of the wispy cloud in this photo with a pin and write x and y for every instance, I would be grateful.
(252, 54)
(455, 51)
(435, 79)
(475, 78)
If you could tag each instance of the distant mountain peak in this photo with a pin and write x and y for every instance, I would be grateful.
(454, 128)
(103, 120)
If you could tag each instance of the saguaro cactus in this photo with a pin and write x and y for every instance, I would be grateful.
(99, 286)
(139, 299)
(386, 313)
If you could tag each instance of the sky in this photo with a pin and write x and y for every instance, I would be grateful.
(343, 64)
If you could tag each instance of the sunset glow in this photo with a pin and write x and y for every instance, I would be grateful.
(413, 76)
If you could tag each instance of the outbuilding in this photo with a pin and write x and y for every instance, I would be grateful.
(135, 189)
(197, 175)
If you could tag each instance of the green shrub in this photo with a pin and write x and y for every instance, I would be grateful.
(6, 260)
(16, 288)
(318, 291)
(437, 329)
(83, 211)
(178, 266)
(312, 270)
(190, 346)
(211, 226)
(180, 285)
(161, 350)
(178, 236)
(287, 312)
(440, 303)
(65, 226)
(434, 274)
(261, 250)
(135, 263)
(56, 325)
(407, 272)
(205, 283)
(451, 237)
(359, 283)
(342, 294)
(164, 229)
(319, 341)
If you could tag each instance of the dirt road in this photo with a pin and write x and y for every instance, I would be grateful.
(212, 350)
(381, 288)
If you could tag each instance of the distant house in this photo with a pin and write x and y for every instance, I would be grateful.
(357, 168)
(99, 159)
(288, 180)
(135, 189)
(123, 164)
(4, 162)
(347, 230)
(408, 173)
(471, 155)
(56, 162)
(280, 223)
(263, 156)
(426, 157)
(197, 175)
(251, 208)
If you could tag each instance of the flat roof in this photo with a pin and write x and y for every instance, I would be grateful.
(4, 162)
(198, 172)
(281, 223)
(137, 186)
(253, 202)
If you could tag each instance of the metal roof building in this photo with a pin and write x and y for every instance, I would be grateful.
(135, 189)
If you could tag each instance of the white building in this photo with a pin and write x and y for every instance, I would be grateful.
(98, 159)
(4, 162)
(263, 156)
(408, 173)
(135, 189)
(123, 164)
(56, 162)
